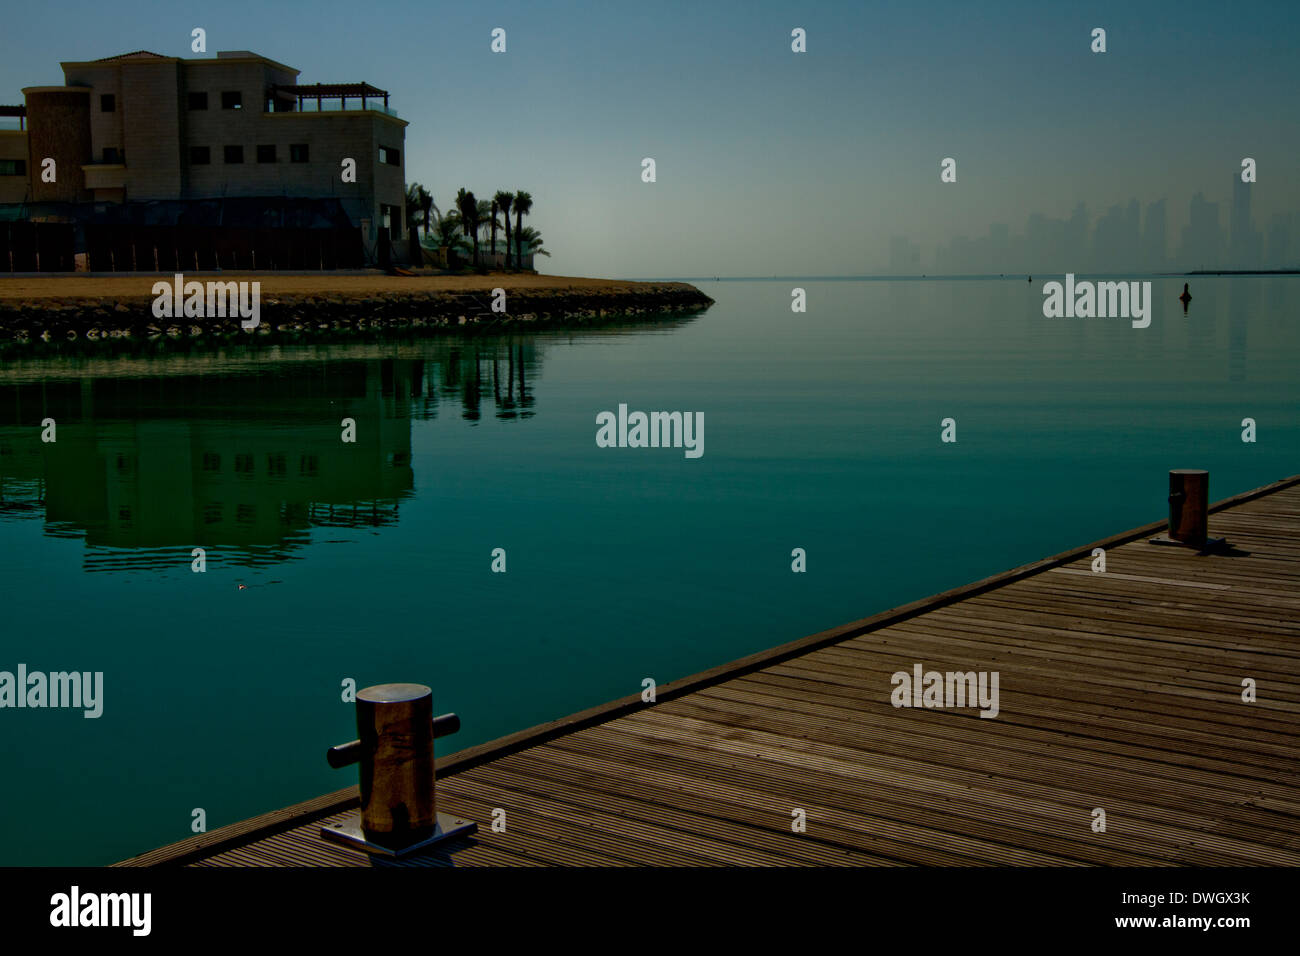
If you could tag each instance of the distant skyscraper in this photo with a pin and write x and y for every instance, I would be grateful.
(1132, 237)
(1108, 242)
(1244, 252)
(999, 247)
(1154, 247)
(1075, 241)
(1202, 246)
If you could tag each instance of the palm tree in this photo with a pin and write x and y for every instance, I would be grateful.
(412, 203)
(427, 207)
(486, 218)
(450, 236)
(467, 208)
(523, 206)
(504, 200)
(448, 232)
(494, 226)
(419, 204)
(533, 240)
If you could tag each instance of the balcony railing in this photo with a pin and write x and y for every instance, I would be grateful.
(336, 106)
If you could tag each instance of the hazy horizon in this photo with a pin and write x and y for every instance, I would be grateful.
(773, 162)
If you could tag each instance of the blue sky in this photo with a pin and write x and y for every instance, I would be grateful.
(770, 161)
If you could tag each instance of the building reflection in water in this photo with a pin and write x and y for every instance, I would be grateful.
(241, 455)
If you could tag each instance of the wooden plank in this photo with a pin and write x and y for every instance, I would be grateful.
(1170, 582)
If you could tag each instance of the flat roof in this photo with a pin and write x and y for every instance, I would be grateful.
(144, 56)
(227, 57)
(137, 55)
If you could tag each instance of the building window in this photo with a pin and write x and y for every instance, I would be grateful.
(112, 155)
(198, 101)
(298, 153)
(108, 103)
(234, 154)
(13, 167)
(266, 154)
(389, 156)
(211, 461)
(200, 155)
(232, 100)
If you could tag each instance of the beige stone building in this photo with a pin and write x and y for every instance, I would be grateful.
(15, 185)
(141, 127)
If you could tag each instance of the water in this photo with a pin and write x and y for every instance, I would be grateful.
(371, 561)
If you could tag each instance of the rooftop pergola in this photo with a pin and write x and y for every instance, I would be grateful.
(18, 111)
(332, 91)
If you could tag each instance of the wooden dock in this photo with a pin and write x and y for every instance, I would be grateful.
(1120, 691)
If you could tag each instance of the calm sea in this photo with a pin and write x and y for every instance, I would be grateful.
(372, 561)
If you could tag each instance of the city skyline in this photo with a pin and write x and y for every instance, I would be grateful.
(1133, 237)
(771, 161)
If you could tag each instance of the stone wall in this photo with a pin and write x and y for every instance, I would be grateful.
(333, 316)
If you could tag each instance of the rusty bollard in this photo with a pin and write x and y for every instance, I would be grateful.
(394, 751)
(1189, 511)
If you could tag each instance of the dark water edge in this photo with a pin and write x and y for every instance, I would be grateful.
(195, 340)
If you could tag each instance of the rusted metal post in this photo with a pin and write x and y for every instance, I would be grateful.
(395, 725)
(394, 752)
(1189, 503)
(1189, 511)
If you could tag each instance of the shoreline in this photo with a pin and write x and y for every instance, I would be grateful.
(308, 307)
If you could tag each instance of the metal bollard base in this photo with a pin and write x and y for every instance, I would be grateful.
(349, 833)
(1211, 545)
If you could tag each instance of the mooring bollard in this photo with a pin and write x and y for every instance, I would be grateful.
(1189, 510)
(394, 750)
(1189, 503)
